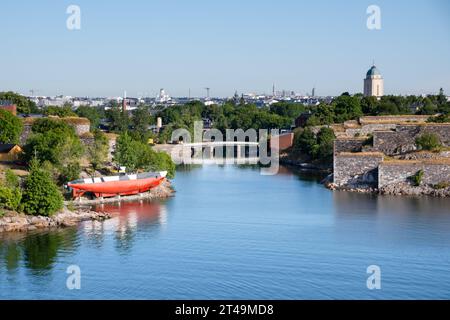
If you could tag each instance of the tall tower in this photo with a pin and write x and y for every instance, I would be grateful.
(373, 83)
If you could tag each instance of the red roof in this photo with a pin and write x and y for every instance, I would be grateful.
(11, 108)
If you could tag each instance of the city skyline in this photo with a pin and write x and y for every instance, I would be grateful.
(186, 47)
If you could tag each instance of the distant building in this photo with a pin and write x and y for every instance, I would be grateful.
(9, 152)
(373, 83)
(163, 97)
(8, 106)
(282, 142)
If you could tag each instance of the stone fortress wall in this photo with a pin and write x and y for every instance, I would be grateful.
(356, 168)
(394, 172)
(80, 125)
(390, 157)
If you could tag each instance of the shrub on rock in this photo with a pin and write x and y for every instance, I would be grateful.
(40, 196)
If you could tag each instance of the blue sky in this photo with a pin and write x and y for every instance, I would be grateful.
(243, 45)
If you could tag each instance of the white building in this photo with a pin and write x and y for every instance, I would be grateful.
(373, 83)
(162, 97)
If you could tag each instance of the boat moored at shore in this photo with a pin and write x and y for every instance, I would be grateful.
(122, 185)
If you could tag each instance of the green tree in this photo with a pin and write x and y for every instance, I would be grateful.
(305, 142)
(93, 114)
(441, 98)
(98, 152)
(10, 127)
(40, 196)
(69, 172)
(45, 125)
(136, 155)
(429, 107)
(54, 142)
(126, 152)
(140, 122)
(369, 105)
(62, 112)
(323, 115)
(23, 104)
(287, 109)
(149, 160)
(325, 141)
(347, 108)
(118, 118)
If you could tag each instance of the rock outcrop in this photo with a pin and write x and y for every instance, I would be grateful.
(14, 222)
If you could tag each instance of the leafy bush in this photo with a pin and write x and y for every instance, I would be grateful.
(428, 141)
(64, 111)
(40, 196)
(97, 153)
(10, 198)
(318, 147)
(324, 149)
(93, 114)
(417, 178)
(347, 108)
(70, 172)
(443, 118)
(305, 141)
(136, 155)
(157, 161)
(11, 180)
(53, 141)
(10, 127)
(442, 185)
(24, 105)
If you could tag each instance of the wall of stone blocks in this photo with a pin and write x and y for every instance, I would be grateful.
(398, 172)
(348, 145)
(403, 139)
(356, 168)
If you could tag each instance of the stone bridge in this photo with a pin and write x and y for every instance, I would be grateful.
(212, 152)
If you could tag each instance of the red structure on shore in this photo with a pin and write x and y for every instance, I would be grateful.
(117, 185)
(8, 106)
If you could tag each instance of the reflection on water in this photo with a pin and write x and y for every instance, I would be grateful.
(231, 233)
(39, 250)
(130, 218)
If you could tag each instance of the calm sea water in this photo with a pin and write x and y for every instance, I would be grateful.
(230, 233)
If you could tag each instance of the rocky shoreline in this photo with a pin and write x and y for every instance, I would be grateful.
(18, 222)
(398, 189)
(14, 222)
